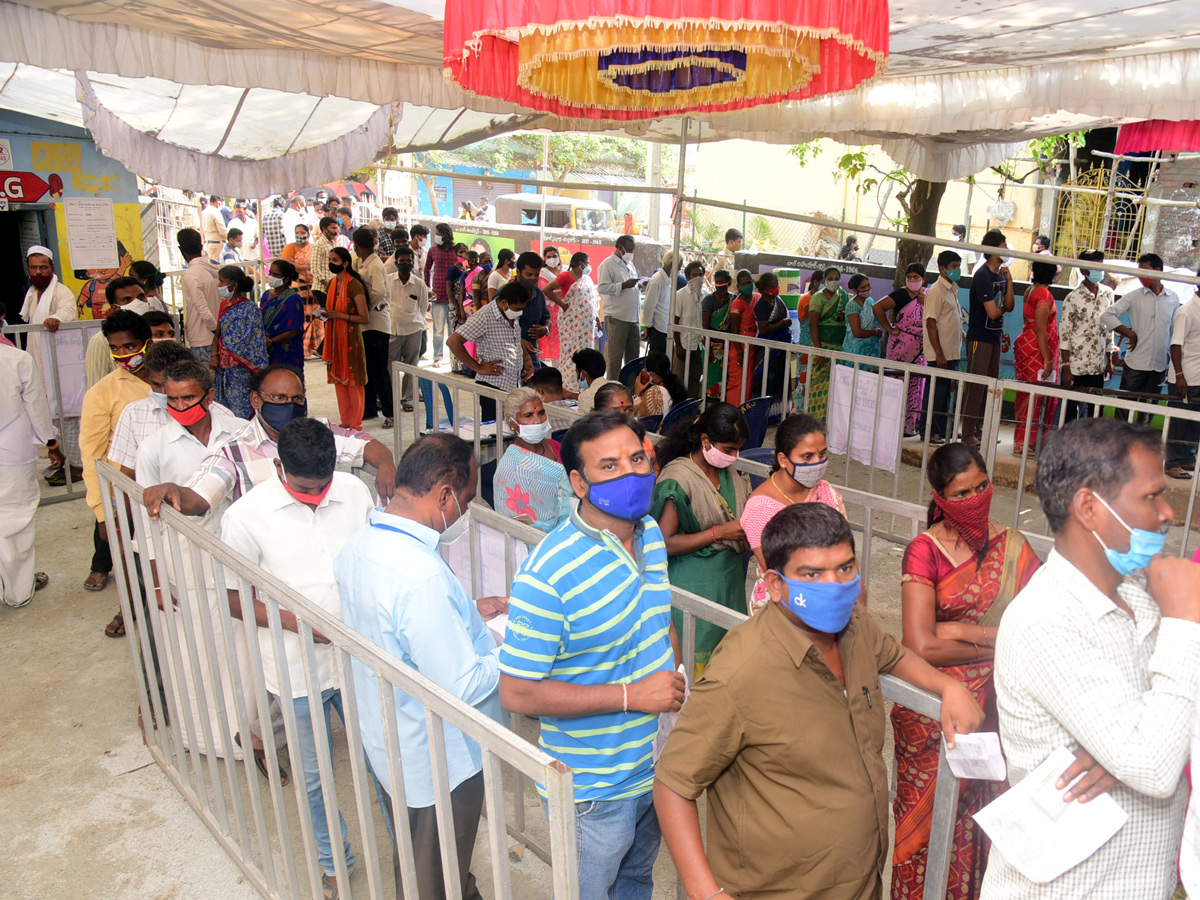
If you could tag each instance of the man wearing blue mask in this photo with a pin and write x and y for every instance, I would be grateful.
(943, 339)
(591, 652)
(1101, 652)
(1085, 345)
(785, 732)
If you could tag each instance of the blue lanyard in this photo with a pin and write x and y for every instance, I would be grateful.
(387, 527)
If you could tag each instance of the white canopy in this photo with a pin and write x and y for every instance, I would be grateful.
(258, 96)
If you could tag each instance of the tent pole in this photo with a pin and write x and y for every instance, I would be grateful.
(545, 177)
(1108, 200)
(676, 228)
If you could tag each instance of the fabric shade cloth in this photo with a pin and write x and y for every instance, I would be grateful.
(629, 60)
(1158, 134)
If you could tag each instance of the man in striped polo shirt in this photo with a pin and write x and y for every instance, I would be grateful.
(590, 651)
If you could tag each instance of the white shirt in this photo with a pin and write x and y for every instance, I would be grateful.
(408, 300)
(687, 312)
(25, 422)
(498, 279)
(620, 303)
(656, 306)
(1151, 319)
(1186, 336)
(173, 454)
(370, 270)
(59, 305)
(298, 545)
(1073, 670)
(587, 397)
(1189, 853)
(138, 421)
(250, 248)
(292, 218)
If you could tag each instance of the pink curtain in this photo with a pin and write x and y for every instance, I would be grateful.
(1158, 134)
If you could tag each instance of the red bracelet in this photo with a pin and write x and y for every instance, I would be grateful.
(713, 533)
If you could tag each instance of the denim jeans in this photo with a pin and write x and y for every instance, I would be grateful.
(330, 699)
(617, 842)
(441, 314)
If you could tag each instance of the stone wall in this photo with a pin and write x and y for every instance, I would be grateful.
(1174, 232)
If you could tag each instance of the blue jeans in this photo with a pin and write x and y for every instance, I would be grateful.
(440, 313)
(330, 699)
(203, 354)
(617, 842)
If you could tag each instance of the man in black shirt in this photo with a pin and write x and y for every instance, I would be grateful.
(991, 297)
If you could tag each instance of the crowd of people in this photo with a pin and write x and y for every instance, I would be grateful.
(1097, 648)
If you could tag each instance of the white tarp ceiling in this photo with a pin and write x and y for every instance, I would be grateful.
(259, 96)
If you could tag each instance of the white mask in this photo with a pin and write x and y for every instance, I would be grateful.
(437, 239)
(551, 261)
(452, 533)
(535, 433)
(513, 314)
(274, 283)
(587, 270)
(141, 307)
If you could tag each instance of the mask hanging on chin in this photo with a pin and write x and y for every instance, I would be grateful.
(1143, 545)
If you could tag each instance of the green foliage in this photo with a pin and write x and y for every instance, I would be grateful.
(758, 230)
(1046, 149)
(807, 152)
(568, 153)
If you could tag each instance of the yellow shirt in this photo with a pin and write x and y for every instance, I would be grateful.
(102, 407)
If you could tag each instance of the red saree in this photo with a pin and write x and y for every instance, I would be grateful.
(963, 594)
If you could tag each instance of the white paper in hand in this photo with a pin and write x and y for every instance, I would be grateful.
(977, 756)
(497, 626)
(1042, 847)
(667, 720)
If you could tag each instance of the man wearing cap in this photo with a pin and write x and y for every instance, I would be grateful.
(49, 302)
(656, 306)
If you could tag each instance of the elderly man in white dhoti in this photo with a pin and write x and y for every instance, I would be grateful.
(49, 302)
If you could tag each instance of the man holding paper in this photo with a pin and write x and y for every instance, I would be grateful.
(1101, 654)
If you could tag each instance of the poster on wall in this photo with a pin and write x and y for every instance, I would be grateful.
(847, 396)
(91, 232)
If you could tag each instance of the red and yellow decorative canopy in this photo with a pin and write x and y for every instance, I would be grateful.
(643, 59)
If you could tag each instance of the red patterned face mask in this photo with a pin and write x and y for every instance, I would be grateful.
(969, 516)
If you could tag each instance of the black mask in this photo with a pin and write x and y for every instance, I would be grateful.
(336, 268)
(279, 414)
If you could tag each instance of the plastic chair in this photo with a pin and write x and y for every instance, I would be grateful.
(558, 435)
(764, 455)
(688, 410)
(651, 423)
(631, 369)
(756, 411)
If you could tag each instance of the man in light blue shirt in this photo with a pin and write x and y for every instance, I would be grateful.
(398, 593)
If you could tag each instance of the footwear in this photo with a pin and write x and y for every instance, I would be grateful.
(330, 887)
(937, 439)
(1018, 454)
(407, 407)
(1179, 473)
(96, 581)
(388, 422)
(1190, 467)
(260, 760)
(58, 478)
(115, 628)
(40, 580)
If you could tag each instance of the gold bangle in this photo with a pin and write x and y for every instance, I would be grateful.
(978, 655)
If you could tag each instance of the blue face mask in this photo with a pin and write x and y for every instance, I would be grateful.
(625, 497)
(1095, 276)
(160, 399)
(824, 606)
(1143, 545)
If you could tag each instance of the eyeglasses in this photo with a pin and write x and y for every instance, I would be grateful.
(282, 398)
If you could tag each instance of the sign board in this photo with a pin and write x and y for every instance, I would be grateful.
(877, 404)
(91, 233)
(23, 187)
(6, 157)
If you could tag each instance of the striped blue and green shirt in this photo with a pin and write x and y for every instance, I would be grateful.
(584, 611)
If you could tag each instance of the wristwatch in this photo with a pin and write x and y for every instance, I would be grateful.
(52, 444)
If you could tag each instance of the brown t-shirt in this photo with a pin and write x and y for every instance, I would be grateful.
(797, 786)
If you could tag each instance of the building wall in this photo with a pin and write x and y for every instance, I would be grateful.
(67, 158)
(1174, 232)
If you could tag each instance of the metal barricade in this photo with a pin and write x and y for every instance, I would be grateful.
(257, 831)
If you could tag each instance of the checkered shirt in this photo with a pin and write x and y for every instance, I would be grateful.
(496, 340)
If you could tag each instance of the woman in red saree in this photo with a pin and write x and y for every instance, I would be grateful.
(345, 360)
(957, 579)
(1035, 354)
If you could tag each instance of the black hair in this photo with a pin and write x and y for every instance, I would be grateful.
(345, 211)
(694, 266)
(550, 247)
(994, 238)
(577, 259)
(1153, 260)
(660, 364)
(189, 241)
(732, 235)
(546, 377)
(189, 370)
(1088, 453)
(722, 422)
(513, 292)
(325, 222)
(831, 270)
(915, 269)
(747, 273)
(504, 256)
(117, 284)
(287, 271)
(404, 250)
(791, 432)
(232, 233)
(344, 255)
(1093, 255)
(945, 464)
(587, 428)
(447, 232)
(723, 276)
(390, 209)
(606, 391)
(435, 459)
(400, 234)
(590, 361)
(1042, 239)
(238, 277)
(147, 273)
(164, 354)
(214, 199)
(855, 280)
(767, 280)
(947, 258)
(123, 320)
(365, 238)
(257, 379)
(958, 229)
(529, 260)
(304, 225)
(1042, 272)
(419, 230)
(3, 310)
(625, 240)
(307, 449)
(803, 526)
(158, 317)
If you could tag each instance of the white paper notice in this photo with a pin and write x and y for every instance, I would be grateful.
(977, 756)
(1042, 847)
(498, 626)
(91, 233)
(667, 720)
